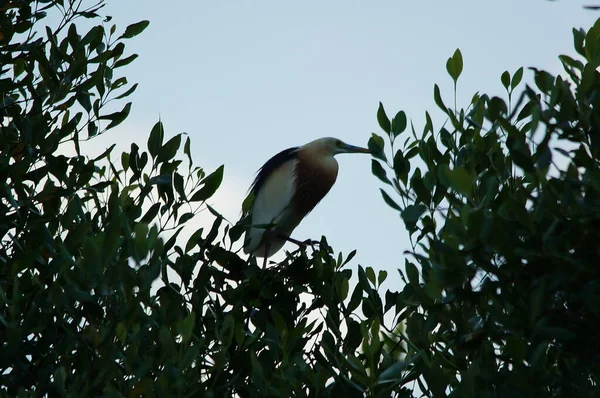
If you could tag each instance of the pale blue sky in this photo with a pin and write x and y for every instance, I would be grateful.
(246, 79)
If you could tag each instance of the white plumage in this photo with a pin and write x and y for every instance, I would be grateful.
(287, 188)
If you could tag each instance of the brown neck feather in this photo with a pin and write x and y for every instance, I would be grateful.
(315, 175)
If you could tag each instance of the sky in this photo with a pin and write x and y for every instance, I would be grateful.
(246, 79)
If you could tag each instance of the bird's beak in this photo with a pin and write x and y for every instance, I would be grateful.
(355, 149)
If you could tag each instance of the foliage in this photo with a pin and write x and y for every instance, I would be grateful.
(107, 288)
(101, 294)
(502, 203)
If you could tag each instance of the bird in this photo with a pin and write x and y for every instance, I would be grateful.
(288, 187)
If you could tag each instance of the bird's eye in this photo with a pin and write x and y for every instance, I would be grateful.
(338, 143)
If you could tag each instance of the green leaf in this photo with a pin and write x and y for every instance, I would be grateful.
(412, 213)
(135, 29)
(383, 120)
(344, 288)
(401, 166)
(371, 275)
(185, 217)
(121, 332)
(505, 79)
(247, 203)
(151, 213)
(166, 341)
(438, 98)
(393, 374)
(379, 172)
(155, 139)
(125, 161)
(169, 149)
(516, 79)
(194, 240)
(382, 276)
(186, 150)
(210, 185)
(84, 101)
(458, 178)
(356, 298)
(376, 146)
(454, 65)
(186, 326)
(125, 61)
(578, 40)
(127, 93)
(389, 201)
(412, 272)
(399, 123)
(353, 337)
(521, 156)
(116, 118)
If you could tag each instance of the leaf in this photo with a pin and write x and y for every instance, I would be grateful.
(356, 298)
(84, 101)
(166, 341)
(516, 79)
(135, 29)
(194, 240)
(401, 166)
(116, 118)
(179, 185)
(350, 257)
(578, 40)
(399, 123)
(118, 83)
(505, 79)
(353, 337)
(393, 374)
(129, 91)
(344, 288)
(186, 150)
(186, 326)
(371, 275)
(169, 149)
(379, 172)
(247, 203)
(438, 98)
(383, 120)
(121, 332)
(412, 213)
(389, 201)
(454, 65)
(376, 146)
(521, 156)
(461, 180)
(151, 213)
(125, 61)
(155, 139)
(412, 272)
(382, 276)
(185, 217)
(210, 185)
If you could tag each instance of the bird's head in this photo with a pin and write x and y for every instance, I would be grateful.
(335, 146)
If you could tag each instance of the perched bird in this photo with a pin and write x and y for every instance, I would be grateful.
(287, 188)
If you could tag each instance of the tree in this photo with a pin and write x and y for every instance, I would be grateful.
(101, 296)
(85, 240)
(504, 208)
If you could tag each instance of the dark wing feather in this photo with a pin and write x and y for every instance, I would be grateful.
(267, 169)
(272, 165)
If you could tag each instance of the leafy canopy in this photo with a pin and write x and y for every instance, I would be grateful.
(103, 293)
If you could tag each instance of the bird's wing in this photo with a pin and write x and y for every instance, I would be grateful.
(273, 192)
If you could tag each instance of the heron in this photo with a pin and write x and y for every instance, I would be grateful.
(288, 187)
